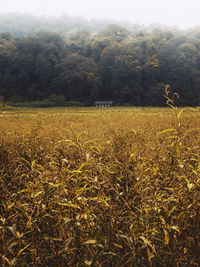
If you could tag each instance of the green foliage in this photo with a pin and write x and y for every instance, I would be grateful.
(110, 63)
(57, 100)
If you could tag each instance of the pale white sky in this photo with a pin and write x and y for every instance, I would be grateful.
(183, 13)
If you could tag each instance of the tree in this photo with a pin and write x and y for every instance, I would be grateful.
(77, 78)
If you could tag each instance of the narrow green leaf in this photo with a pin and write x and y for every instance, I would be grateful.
(167, 130)
(88, 262)
(176, 228)
(166, 242)
(92, 241)
(21, 250)
(69, 205)
(148, 243)
(10, 206)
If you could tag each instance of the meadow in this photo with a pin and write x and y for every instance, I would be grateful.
(100, 187)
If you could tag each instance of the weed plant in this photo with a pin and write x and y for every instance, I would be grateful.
(109, 189)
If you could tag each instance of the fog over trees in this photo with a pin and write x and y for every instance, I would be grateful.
(70, 59)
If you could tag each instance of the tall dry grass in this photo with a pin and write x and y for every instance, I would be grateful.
(100, 189)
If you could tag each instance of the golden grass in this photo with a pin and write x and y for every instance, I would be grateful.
(99, 187)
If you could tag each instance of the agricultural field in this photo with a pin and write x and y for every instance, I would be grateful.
(100, 187)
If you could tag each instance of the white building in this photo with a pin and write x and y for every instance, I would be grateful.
(102, 104)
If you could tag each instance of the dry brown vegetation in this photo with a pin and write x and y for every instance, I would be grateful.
(111, 187)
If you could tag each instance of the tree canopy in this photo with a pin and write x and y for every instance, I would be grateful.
(127, 65)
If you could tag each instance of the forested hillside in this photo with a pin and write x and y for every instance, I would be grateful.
(83, 61)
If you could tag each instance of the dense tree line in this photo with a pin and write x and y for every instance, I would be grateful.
(116, 63)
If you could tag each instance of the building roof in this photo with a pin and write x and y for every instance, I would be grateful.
(103, 102)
